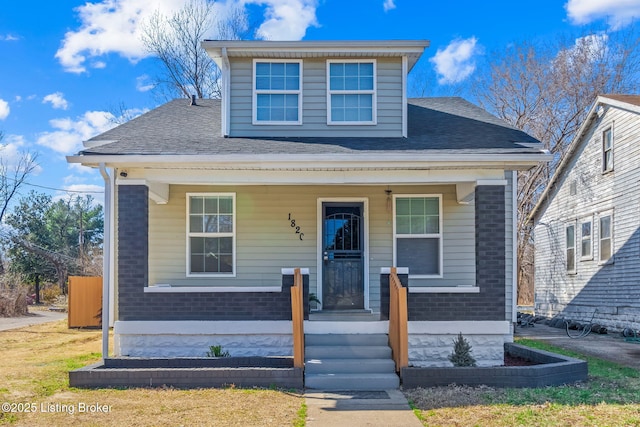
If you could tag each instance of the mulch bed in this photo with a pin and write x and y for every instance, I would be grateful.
(510, 360)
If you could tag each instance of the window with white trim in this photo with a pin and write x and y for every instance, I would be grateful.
(607, 150)
(211, 234)
(605, 238)
(277, 90)
(586, 239)
(570, 248)
(351, 92)
(417, 234)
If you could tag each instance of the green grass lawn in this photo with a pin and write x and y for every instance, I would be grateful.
(611, 397)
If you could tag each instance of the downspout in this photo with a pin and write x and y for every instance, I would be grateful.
(226, 93)
(106, 261)
(514, 249)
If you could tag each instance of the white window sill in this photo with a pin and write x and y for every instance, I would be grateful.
(168, 289)
(444, 290)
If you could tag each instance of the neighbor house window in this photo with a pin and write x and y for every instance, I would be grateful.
(586, 239)
(351, 96)
(606, 238)
(570, 233)
(211, 234)
(417, 232)
(607, 150)
(277, 92)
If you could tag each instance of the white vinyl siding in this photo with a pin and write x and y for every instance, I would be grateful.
(351, 93)
(602, 285)
(314, 103)
(277, 92)
(210, 234)
(417, 234)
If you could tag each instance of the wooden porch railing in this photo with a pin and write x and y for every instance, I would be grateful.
(398, 335)
(297, 316)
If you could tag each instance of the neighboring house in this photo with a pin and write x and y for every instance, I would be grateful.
(587, 236)
(314, 158)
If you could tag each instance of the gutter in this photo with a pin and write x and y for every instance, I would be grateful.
(106, 261)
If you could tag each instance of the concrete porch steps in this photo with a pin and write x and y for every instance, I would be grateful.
(349, 362)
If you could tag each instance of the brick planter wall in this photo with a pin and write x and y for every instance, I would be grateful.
(554, 369)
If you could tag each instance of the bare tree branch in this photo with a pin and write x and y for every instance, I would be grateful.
(175, 42)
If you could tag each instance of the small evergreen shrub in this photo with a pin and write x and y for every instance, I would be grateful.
(216, 351)
(461, 355)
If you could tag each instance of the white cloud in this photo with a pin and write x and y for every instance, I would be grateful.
(456, 62)
(95, 191)
(4, 109)
(143, 84)
(69, 134)
(618, 13)
(56, 100)
(109, 26)
(9, 38)
(286, 19)
(388, 5)
(12, 149)
(586, 50)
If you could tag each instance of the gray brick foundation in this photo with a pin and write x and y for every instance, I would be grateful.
(554, 369)
(490, 269)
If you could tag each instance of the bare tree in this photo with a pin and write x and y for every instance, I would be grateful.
(13, 176)
(175, 42)
(546, 90)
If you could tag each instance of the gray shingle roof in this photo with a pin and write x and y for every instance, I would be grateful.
(177, 128)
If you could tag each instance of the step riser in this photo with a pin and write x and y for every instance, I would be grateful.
(342, 366)
(347, 340)
(339, 352)
(365, 382)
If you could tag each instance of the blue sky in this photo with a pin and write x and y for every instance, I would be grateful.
(66, 65)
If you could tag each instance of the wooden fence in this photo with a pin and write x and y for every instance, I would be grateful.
(297, 316)
(398, 335)
(85, 302)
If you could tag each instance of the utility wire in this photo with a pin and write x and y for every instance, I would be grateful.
(56, 189)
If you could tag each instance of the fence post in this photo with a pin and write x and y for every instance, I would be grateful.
(297, 317)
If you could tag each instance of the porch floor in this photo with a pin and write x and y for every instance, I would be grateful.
(344, 316)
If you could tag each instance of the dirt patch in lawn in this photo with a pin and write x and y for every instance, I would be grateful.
(34, 375)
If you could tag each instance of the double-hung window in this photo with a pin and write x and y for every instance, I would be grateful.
(607, 150)
(570, 248)
(351, 92)
(417, 233)
(211, 226)
(277, 92)
(606, 238)
(586, 239)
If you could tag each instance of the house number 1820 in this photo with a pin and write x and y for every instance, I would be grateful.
(292, 222)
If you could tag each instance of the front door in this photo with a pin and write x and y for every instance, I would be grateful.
(342, 256)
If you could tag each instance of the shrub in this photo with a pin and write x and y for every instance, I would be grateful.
(216, 351)
(13, 302)
(461, 355)
(50, 293)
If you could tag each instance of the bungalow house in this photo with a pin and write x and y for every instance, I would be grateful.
(587, 235)
(313, 158)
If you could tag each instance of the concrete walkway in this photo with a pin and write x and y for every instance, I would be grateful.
(387, 408)
(35, 317)
(611, 347)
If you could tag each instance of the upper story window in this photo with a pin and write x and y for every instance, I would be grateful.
(277, 91)
(417, 233)
(351, 92)
(211, 234)
(607, 150)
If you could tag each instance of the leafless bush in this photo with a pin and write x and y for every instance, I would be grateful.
(13, 302)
